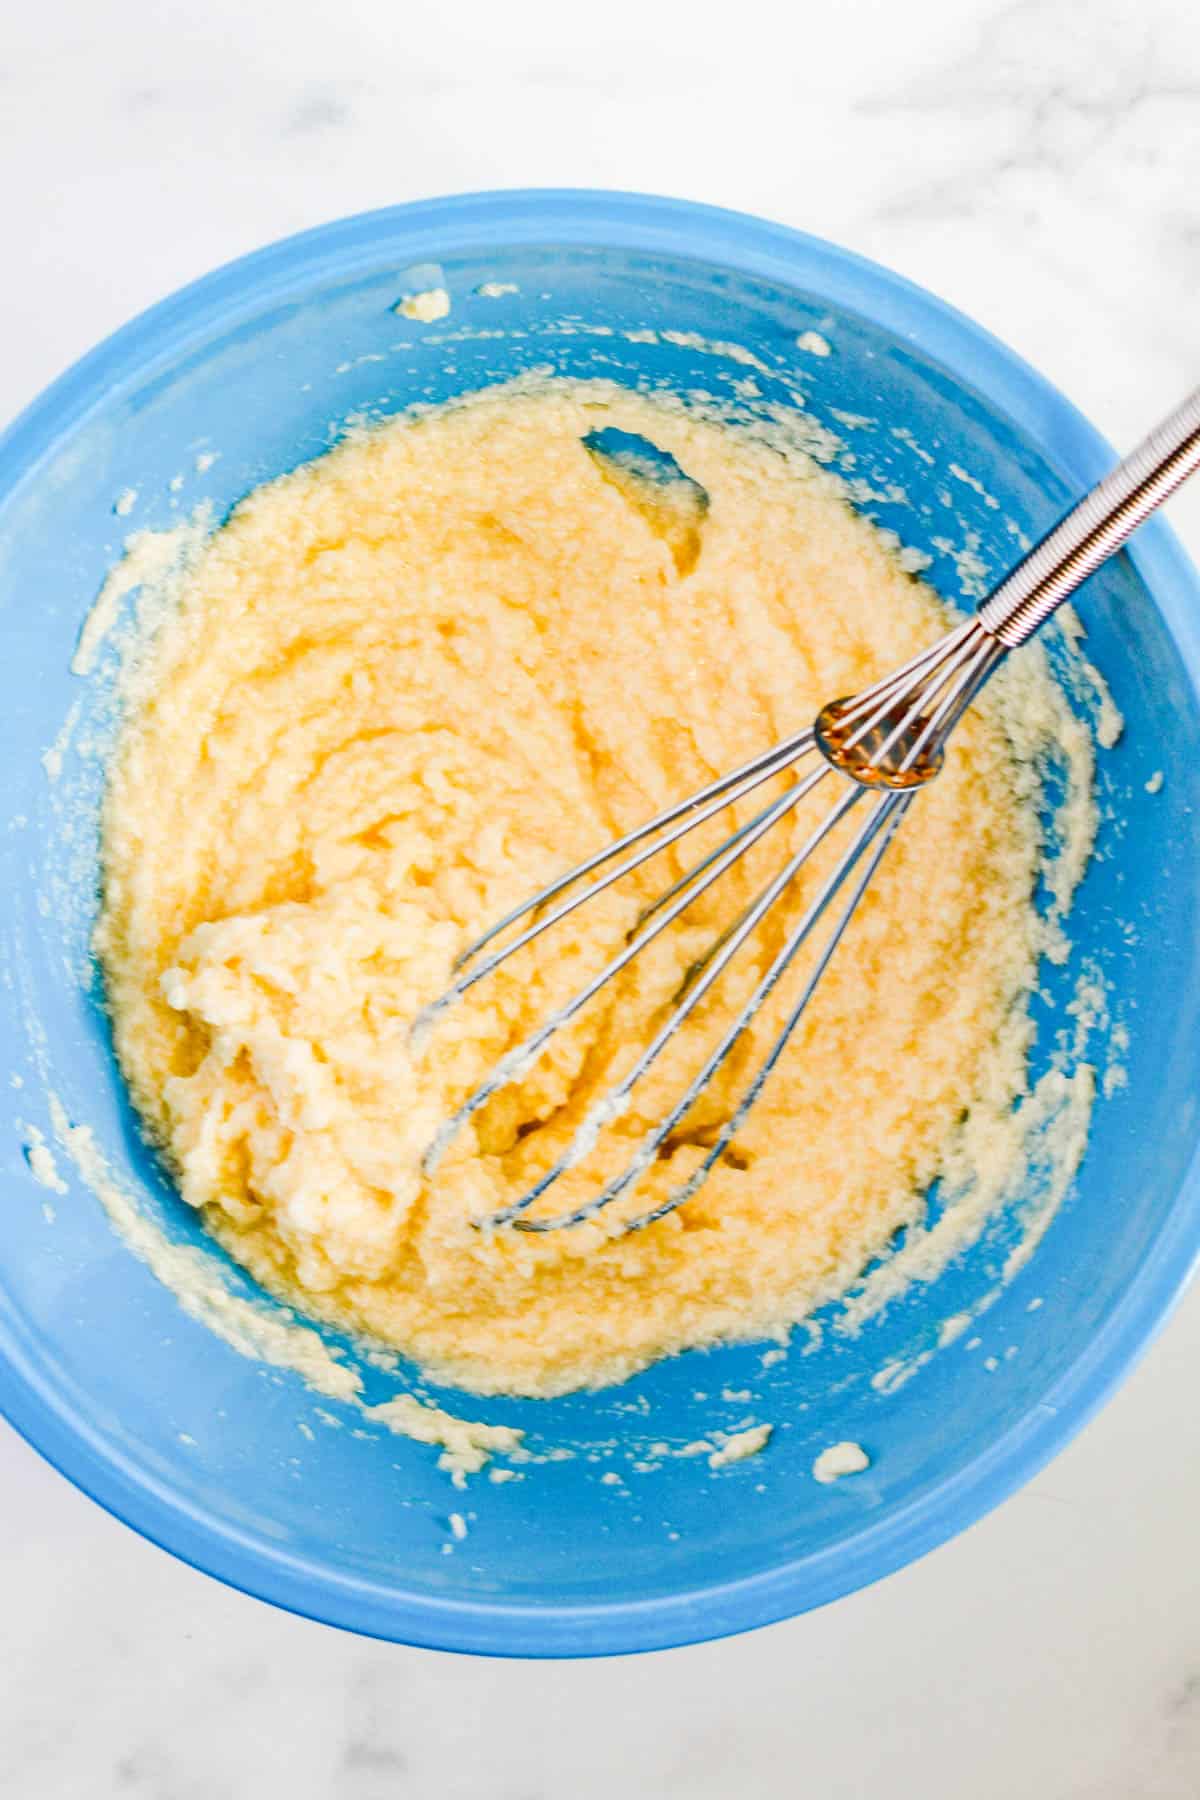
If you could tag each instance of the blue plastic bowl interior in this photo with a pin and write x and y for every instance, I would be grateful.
(229, 1463)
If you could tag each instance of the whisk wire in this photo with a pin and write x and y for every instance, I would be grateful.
(697, 868)
(935, 675)
(519, 1060)
(882, 694)
(613, 1103)
(690, 813)
(889, 810)
(957, 685)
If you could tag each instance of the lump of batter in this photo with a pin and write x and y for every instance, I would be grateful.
(839, 1461)
(405, 686)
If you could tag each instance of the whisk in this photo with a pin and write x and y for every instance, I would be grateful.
(880, 747)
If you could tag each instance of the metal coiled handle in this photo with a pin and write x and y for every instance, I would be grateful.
(1095, 528)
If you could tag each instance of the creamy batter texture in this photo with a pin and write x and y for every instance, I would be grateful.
(402, 688)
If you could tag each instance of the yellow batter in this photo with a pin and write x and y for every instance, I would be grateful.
(408, 683)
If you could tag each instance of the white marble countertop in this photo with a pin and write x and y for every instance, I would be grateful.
(1037, 163)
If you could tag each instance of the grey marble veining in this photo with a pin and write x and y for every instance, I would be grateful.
(1036, 163)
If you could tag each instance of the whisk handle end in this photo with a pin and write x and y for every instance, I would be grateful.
(1095, 528)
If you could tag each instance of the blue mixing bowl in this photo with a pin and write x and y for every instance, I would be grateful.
(238, 1466)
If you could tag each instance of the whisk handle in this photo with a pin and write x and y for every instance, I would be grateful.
(1095, 528)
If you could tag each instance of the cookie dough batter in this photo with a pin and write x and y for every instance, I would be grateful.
(404, 686)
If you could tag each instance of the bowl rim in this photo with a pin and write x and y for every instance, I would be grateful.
(758, 249)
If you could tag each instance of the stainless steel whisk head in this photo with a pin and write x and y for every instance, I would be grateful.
(884, 743)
